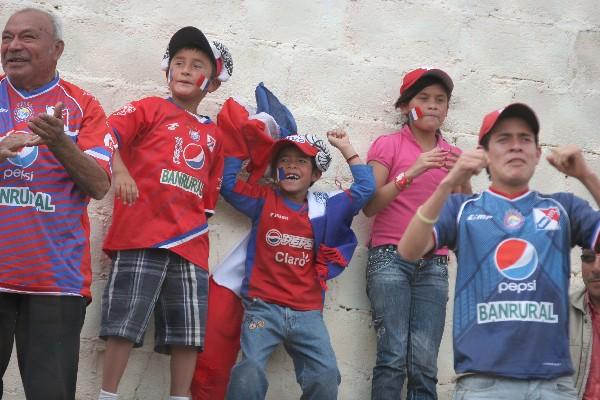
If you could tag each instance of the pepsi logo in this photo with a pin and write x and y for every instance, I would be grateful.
(516, 259)
(193, 154)
(27, 155)
(273, 237)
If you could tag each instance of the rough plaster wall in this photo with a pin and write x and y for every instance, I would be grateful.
(337, 64)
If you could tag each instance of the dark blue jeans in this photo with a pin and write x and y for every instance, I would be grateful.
(305, 338)
(408, 302)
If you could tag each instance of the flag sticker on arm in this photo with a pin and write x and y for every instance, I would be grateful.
(546, 219)
(414, 114)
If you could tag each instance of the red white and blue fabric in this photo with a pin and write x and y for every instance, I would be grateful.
(281, 235)
(513, 279)
(45, 229)
(176, 160)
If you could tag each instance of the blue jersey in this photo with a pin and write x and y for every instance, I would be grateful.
(511, 297)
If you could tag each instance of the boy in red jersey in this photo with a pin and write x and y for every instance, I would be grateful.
(299, 238)
(168, 175)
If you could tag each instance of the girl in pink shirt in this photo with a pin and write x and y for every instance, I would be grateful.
(408, 300)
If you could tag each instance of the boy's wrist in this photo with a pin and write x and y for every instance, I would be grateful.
(347, 151)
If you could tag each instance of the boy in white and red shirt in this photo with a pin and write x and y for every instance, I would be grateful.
(168, 173)
(297, 241)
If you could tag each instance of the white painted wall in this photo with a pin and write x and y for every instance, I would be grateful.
(337, 64)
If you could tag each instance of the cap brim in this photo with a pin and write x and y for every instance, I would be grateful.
(524, 112)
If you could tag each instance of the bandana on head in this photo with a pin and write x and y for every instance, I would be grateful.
(310, 145)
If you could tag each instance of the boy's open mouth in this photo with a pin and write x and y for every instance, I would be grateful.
(293, 177)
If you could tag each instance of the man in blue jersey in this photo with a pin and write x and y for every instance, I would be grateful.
(55, 154)
(513, 244)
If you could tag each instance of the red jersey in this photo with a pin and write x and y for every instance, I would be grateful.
(176, 160)
(282, 270)
(44, 241)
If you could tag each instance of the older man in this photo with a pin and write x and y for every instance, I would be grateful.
(585, 328)
(44, 190)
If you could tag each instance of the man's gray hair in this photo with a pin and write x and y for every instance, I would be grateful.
(57, 25)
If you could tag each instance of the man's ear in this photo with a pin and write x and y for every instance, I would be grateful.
(214, 85)
(58, 49)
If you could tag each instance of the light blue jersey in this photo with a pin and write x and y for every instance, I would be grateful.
(511, 298)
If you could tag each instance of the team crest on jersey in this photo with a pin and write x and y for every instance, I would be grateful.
(26, 156)
(172, 126)
(3, 110)
(210, 142)
(23, 111)
(513, 219)
(193, 155)
(516, 259)
(547, 219)
(126, 109)
(194, 135)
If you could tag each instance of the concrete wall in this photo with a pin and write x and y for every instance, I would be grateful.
(337, 64)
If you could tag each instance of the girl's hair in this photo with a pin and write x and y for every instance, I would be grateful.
(418, 86)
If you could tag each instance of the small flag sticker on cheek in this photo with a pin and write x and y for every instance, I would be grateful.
(415, 114)
(280, 174)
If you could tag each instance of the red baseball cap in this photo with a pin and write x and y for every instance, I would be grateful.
(307, 144)
(518, 110)
(413, 76)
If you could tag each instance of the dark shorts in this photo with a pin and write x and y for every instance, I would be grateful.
(146, 280)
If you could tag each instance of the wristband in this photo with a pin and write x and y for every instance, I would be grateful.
(424, 219)
(402, 181)
(351, 158)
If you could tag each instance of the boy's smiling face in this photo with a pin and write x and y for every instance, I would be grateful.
(298, 173)
(187, 70)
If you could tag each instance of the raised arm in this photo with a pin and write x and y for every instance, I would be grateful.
(569, 160)
(418, 239)
(363, 186)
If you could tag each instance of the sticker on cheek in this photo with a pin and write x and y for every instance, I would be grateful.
(202, 82)
(280, 175)
(414, 114)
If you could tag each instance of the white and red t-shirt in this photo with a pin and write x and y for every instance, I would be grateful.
(176, 160)
(44, 241)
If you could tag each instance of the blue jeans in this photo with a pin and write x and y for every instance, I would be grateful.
(408, 302)
(488, 387)
(305, 338)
